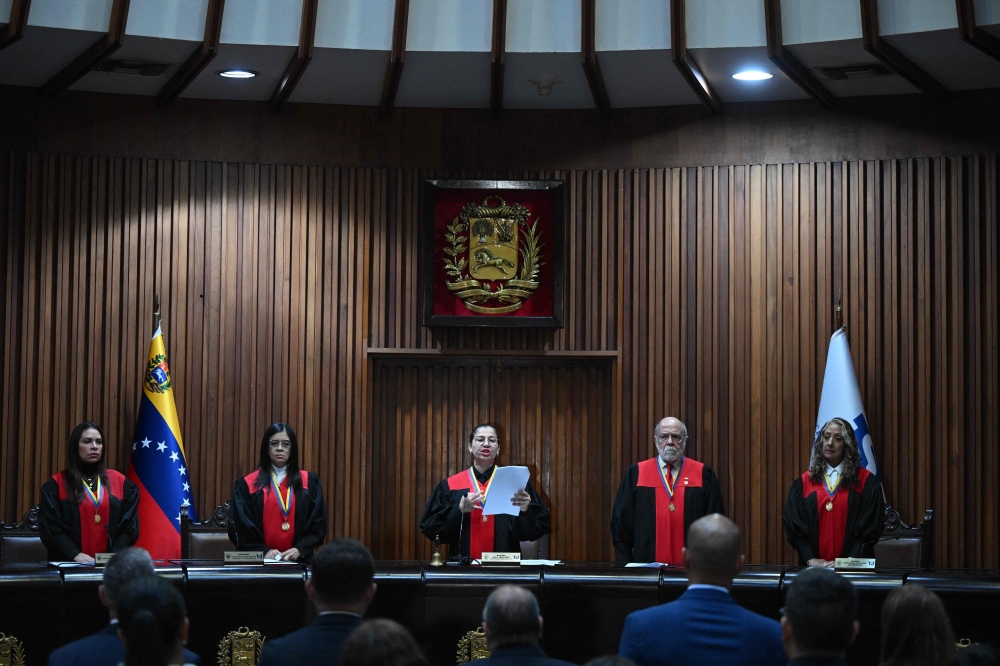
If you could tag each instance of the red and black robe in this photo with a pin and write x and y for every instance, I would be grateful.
(643, 528)
(500, 533)
(850, 529)
(67, 526)
(255, 516)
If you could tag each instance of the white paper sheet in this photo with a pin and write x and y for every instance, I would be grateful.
(540, 563)
(644, 565)
(506, 482)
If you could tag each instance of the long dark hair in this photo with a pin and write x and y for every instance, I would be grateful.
(915, 629)
(150, 615)
(74, 466)
(264, 465)
(852, 457)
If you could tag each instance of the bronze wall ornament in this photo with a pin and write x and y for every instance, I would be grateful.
(241, 648)
(472, 646)
(11, 651)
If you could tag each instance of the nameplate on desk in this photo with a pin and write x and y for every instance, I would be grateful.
(854, 564)
(100, 559)
(501, 559)
(242, 557)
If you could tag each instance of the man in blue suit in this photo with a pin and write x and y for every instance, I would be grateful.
(704, 626)
(104, 648)
(342, 587)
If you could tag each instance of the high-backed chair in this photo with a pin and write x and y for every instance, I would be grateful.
(20, 542)
(905, 546)
(535, 550)
(207, 539)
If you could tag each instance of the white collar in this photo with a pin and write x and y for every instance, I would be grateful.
(664, 463)
(830, 470)
(279, 472)
(704, 586)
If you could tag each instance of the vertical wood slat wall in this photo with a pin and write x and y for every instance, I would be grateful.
(715, 285)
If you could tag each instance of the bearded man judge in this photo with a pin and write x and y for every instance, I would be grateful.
(454, 512)
(659, 498)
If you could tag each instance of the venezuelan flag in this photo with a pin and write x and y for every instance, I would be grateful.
(158, 465)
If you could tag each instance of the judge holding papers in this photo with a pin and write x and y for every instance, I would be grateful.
(659, 498)
(454, 513)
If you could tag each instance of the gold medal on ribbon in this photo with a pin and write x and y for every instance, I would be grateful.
(483, 490)
(285, 526)
(829, 505)
(284, 503)
(672, 507)
(831, 490)
(95, 499)
(97, 519)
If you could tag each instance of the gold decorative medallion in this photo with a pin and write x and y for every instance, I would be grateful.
(285, 526)
(11, 651)
(489, 271)
(829, 506)
(472, 646)
(241, 648)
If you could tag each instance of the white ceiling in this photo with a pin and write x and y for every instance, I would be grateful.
(447, 62)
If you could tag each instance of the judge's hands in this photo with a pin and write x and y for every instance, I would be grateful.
(290, 555)
(521, 499)
(820, 562)
(272, 554)
(468, 503)
(83, 558)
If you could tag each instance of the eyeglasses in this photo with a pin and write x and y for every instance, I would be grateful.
(492, 441)
(280, 444)
(670, 436)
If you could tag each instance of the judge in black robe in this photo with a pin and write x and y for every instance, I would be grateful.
(66, 514)
(256, 520)
(454, 511)
(848, 522)
(634, 523)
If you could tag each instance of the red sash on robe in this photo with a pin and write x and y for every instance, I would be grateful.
(94, 536)
(669, 524)
(274, 536)
(832, 524)
(481, 535)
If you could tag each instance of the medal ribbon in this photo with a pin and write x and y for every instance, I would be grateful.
(485, 490)
(284, 504)
(95, 498)
(670, 484)
(831, 490)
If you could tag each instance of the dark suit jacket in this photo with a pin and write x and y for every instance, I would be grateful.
(518, 655)
(703, 627)
(100, 649)
(319, 644)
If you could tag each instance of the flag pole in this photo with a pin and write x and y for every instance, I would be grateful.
(156, 311)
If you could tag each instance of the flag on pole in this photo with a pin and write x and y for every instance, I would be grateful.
(842, 397)
(158, 465)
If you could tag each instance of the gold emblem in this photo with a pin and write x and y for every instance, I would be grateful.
(11, 651)
(829, 505)
(241, 648)
(490, 270)
(97, 519)
(672, 507)
(472, 646)
(285, 526)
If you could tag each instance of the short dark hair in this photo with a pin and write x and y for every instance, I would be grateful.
(915, 628)
(511, 613)
(150, 615)
(381, 643)
(342, 572)
(821, 607)
(127, 565)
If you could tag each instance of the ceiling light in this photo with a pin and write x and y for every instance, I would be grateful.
(752, 75)
(237, 73)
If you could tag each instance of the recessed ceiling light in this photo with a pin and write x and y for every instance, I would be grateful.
(752, 75)
(237, 73)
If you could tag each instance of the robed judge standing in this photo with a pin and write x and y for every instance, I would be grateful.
(659, 498)
(454, 512)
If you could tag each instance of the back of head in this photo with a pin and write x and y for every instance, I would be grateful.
(821, 607)
(381, 643)
(511, 616)
(126, 566)
(915, 628)
(151, 616)
(342, 572)
(714, 544)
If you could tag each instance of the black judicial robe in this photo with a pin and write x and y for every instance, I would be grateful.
(59, 520)
(442, 518)
(633, 518)
(246, 518)
(865, 518)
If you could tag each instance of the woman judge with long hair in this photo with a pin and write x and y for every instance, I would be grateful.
(86, 508)
(278, 509)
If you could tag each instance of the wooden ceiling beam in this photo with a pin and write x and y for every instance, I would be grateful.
(198, 60)
(394, 70)
(893, 59)
(588, 52)
(94, 56)
(299, 62)
(787, 62)
(971, 33)
(17, 23)
(498, 55)
(683, 60)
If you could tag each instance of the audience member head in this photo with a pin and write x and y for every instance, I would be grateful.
(86, 455)
(511, 617)
(915, 628)
(713, 554)
(152, 623)
(342, 577)
(610, 660)
(126, 566)
(279, 447)
(819, 613)
(977, 654)
(381, 643)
